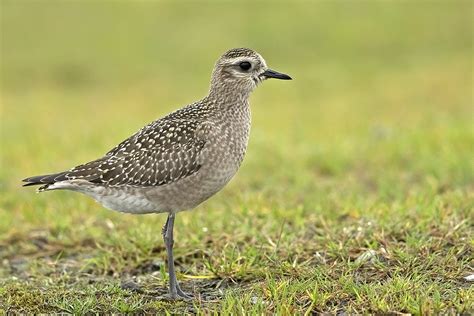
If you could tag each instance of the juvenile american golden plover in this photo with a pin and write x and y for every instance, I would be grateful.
(177, 162)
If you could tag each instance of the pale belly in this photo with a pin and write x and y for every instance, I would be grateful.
(182, 195)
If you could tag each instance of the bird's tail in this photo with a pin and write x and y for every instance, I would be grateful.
(45, 180)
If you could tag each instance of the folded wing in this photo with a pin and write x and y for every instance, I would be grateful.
(160, 153)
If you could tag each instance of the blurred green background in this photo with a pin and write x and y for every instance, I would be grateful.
(379, 86)
(377, 123)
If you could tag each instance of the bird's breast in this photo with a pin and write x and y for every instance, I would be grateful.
(227, 148)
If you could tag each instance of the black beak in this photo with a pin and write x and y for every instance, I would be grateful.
(275, 74)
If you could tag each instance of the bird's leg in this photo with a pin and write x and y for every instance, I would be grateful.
(165, 227)
(175, 290)
(168, 239)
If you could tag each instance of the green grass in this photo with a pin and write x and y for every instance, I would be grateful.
(367, 151)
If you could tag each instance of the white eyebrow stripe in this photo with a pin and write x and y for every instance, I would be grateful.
(237, 60)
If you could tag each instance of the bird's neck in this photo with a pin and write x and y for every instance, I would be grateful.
(226, 98)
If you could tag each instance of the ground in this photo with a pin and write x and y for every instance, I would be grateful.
(356, 194)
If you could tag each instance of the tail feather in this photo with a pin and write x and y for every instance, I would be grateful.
(44, 180)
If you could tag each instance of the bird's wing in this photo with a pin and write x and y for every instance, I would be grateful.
(160, 153)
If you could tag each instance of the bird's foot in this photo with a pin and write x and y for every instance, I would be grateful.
(179, 295)
(183, 295)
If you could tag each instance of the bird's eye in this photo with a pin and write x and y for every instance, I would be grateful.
(245, 65)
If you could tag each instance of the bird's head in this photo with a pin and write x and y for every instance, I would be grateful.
(240, 70)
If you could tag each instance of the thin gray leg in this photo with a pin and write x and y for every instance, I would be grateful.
(175, 290)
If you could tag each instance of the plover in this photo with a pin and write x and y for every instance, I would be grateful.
(176, 162)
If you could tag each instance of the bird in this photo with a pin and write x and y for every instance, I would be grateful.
(175, 163)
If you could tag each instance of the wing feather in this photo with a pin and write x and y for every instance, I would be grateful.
(160, 153)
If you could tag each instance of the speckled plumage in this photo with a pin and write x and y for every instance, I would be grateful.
(176, 162)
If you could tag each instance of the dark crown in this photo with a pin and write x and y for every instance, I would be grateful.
(240, 52)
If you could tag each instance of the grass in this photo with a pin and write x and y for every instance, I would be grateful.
(356, 194)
